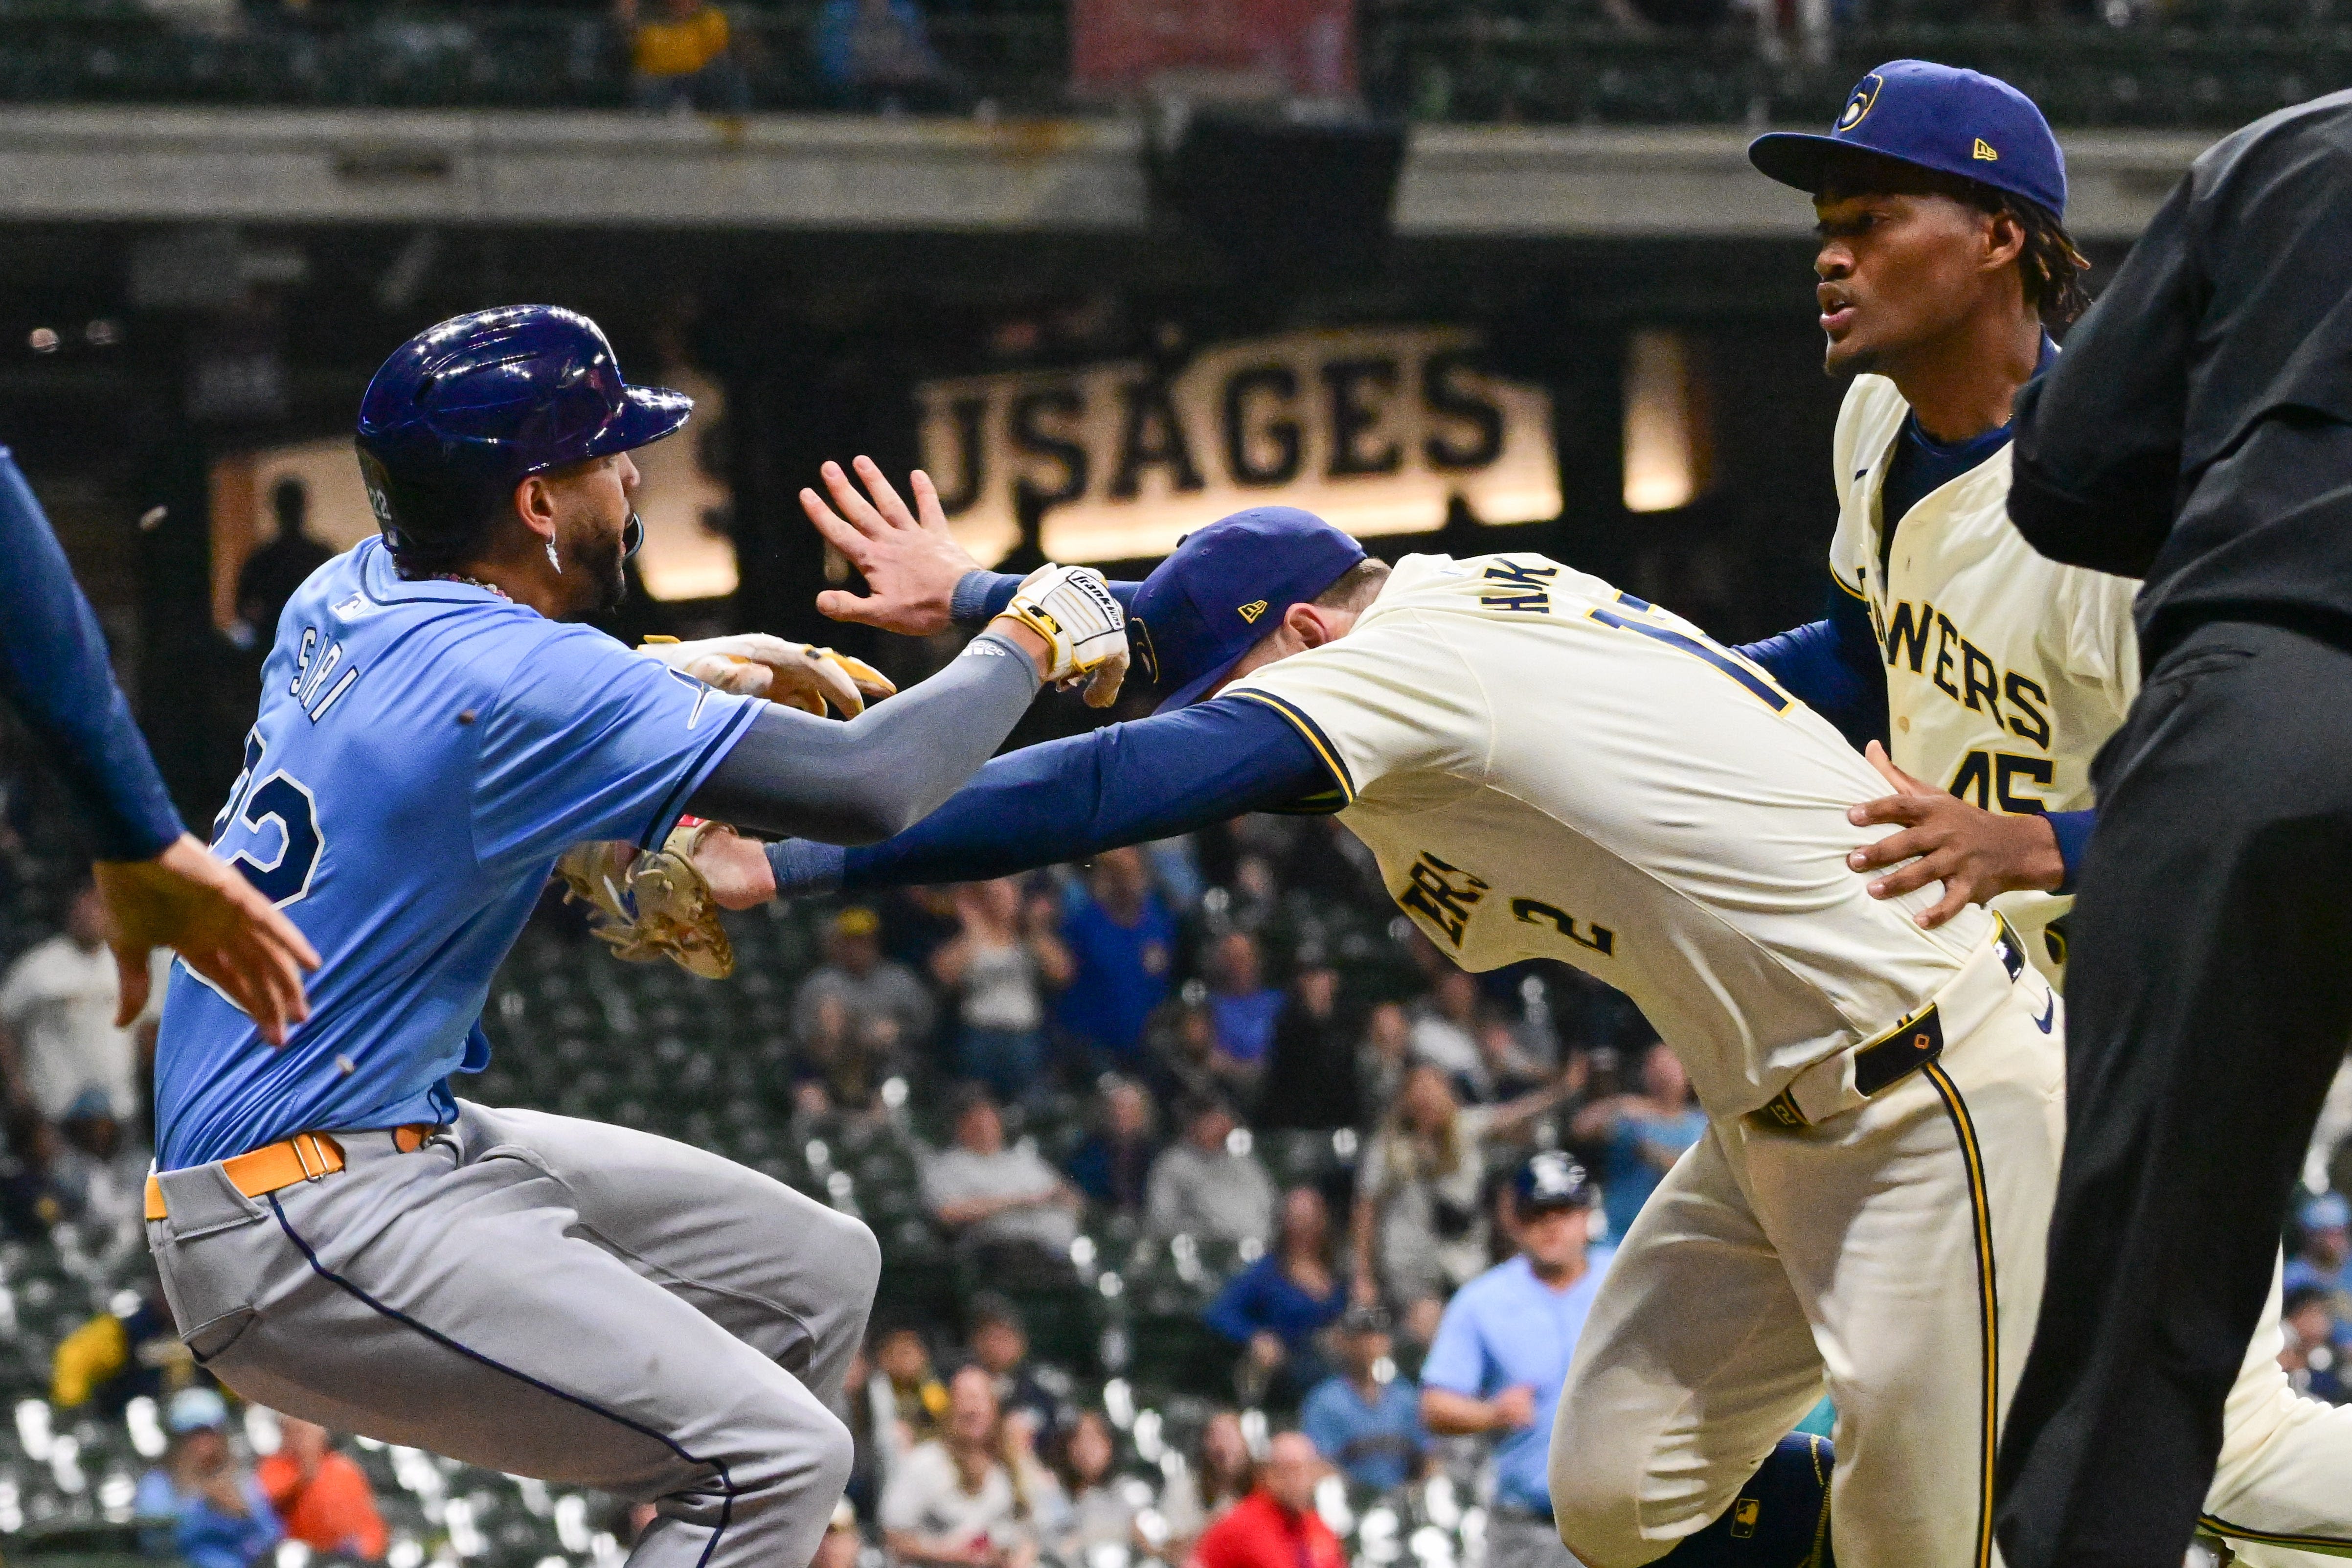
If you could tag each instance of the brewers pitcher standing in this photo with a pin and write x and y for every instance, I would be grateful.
(1989, 669)
(342, 1239)
(1941, 195)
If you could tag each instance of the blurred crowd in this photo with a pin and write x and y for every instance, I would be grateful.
(1203, 1001)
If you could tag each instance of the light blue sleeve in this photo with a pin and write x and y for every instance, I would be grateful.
(588, 740)
(1457, 1356)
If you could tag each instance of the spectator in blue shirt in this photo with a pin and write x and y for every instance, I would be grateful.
(1501, 1353)
(1365, 1419)
(216, 1513)
(1113, 1164)
(1243, 1006)
(1275, 1307)
(1124, 941)
(1642, 1135)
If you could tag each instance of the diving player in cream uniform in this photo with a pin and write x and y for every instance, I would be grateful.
(1545, 767)
(2003, 673)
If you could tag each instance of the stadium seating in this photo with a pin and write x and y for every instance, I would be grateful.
(2133, 64)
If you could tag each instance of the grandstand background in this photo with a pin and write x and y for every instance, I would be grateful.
(216, 216)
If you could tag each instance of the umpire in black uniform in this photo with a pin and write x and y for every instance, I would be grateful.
(2198, 433)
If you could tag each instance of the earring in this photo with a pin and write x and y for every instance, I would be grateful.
(552, 560)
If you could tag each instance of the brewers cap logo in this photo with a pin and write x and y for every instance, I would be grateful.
(1866, 96)
(1253, 610)
(1858, 107)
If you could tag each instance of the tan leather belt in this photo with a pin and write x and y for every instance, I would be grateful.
(305, 1157)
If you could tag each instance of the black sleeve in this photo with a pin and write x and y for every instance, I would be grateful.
(880, 773)
(2097, 467)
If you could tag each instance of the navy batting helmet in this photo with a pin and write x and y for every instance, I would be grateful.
(462, 412)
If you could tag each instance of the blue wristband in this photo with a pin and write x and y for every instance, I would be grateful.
(803, 867)
(2073, 829)
(970, 604)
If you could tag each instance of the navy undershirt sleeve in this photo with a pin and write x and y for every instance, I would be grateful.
(981, 594)
(2074, 831)
(54, 671)
(1065, 800)
(1833, 666)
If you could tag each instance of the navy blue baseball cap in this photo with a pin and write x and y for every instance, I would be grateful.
(1226, 586)
(1955, 121)
(1551, 1181)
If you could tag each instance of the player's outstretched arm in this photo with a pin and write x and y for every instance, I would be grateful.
(857, 783)
(923, 581)
(1125, 783)
(54, 671)
(159, 887)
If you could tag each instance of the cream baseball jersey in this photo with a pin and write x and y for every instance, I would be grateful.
(2005, 670)
(1547, 768)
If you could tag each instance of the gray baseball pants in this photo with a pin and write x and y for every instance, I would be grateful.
(551, 1297)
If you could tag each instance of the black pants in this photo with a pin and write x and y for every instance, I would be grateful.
(2210, 993)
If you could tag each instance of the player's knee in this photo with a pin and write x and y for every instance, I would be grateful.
(859, 1260)
(793, 1445)
(1592, 1500)
(843, 1246)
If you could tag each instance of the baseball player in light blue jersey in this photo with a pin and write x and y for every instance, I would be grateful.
(340, 1236)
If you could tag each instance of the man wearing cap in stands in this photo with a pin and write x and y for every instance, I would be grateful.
(1365, 1418)
(1502, 1350)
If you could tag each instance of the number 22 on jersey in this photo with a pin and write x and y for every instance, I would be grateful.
(277, 808)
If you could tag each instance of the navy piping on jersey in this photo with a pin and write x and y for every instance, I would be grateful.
(1327, 752)
(1763, 688)
(673, 804)
(725, 1482)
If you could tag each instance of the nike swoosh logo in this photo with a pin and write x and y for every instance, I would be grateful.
(2049, 1013)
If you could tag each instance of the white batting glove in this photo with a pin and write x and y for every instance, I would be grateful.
(1073, 609)
(795, 674)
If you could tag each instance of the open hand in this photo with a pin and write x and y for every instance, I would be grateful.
(908, 559)
(1975, 853)
(190, 901)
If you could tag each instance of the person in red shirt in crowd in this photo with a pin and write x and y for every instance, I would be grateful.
(1276, 1525)
(321, 1496)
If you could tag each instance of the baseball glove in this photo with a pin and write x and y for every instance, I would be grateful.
(796, 674)
(654, 905)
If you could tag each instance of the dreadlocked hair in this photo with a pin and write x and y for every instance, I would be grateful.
(2049, 264)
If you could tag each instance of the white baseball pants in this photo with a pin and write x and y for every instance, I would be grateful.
(1894, 1254)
